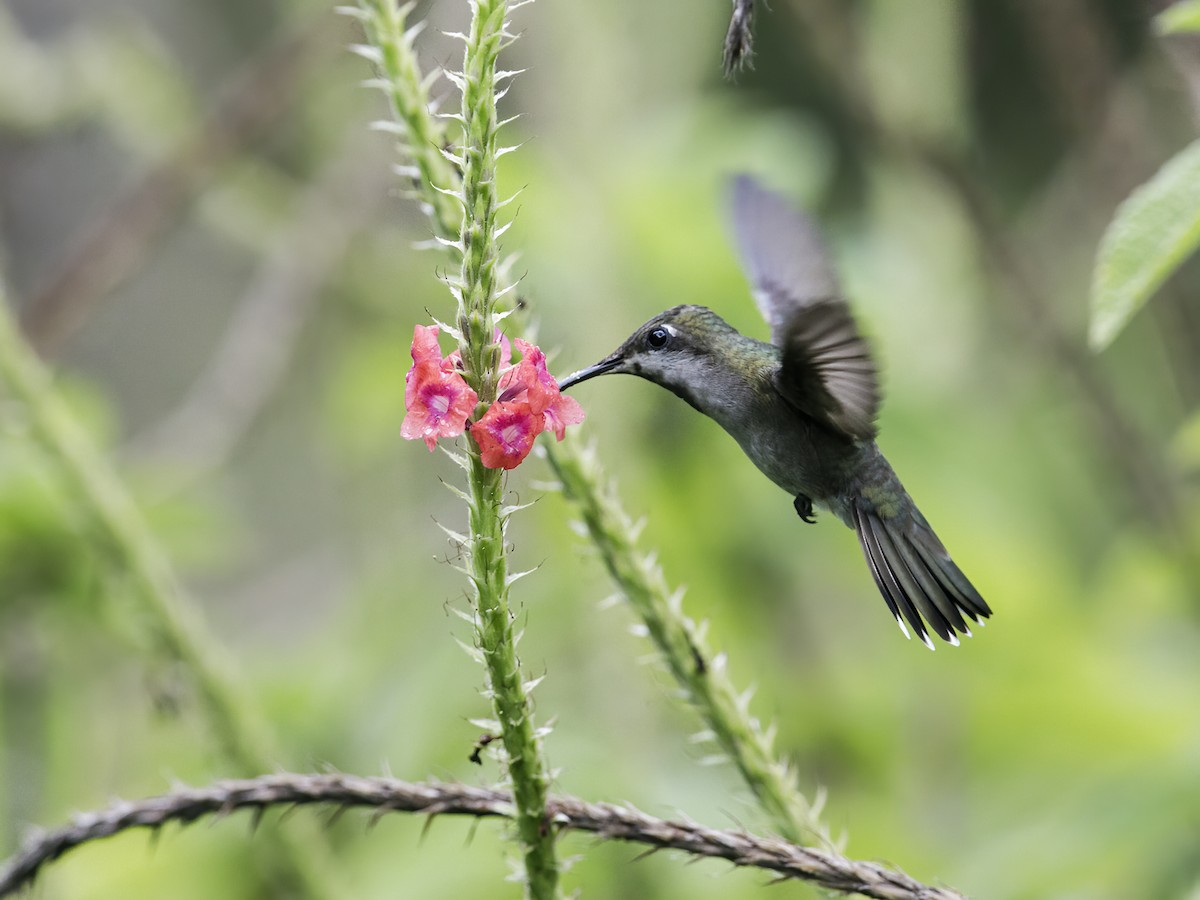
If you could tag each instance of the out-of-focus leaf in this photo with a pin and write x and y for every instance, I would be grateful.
(1153, 232)
(1183, 16)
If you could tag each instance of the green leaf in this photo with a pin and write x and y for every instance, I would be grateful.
(1182, 17)
(1153, 232)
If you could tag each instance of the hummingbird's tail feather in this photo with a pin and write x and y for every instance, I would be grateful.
(914, 573)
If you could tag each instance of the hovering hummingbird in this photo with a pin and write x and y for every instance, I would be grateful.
(803, 407)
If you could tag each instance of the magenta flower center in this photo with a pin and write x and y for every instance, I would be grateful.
(511, 434)
(437, 401)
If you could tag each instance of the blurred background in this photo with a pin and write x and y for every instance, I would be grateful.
(204, 239)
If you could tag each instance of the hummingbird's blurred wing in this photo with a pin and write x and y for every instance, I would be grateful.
(782, 253)
(827, 368)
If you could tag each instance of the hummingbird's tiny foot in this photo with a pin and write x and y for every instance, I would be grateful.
(804, 509)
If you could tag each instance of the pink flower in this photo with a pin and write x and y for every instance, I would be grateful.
(439, 401)
(436, 397)
(506, 433)
(531, 379)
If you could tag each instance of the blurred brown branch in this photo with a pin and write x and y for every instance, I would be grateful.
(383, 795)
(256, 349)
(119, 239)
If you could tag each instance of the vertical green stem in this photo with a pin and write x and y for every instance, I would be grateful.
(474, 229)
(526, 768)
(481, 357)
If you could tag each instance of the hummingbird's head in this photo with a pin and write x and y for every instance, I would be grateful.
(677, 349)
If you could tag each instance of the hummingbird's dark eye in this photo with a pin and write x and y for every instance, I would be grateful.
(658, 337)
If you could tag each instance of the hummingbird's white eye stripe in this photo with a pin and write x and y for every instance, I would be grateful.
(670, 329)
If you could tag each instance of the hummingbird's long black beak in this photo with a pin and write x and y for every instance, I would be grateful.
(605, 365)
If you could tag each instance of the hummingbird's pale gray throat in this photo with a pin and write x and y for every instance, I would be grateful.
(803, 407)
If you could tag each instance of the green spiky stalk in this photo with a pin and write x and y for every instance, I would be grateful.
(702, 676)
(476, 289)
(706, 684)
(472, 231)
(175, 626)
(481, 358)
(390, 47)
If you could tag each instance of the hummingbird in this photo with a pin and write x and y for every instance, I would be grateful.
(803, 406)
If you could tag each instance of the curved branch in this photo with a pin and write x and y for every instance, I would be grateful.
(384, 795)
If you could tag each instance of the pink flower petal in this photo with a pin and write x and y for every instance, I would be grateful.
(562, 412)
(425, 345)
(530, 379)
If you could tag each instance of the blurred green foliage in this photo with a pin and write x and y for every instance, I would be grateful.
(1153, 234)
(1181, 16)
(965, 157)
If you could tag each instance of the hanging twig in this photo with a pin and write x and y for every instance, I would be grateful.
(739, 39)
